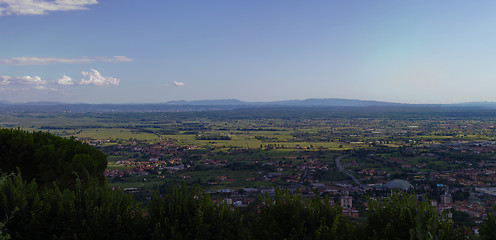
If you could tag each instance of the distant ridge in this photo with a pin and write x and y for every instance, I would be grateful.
(44, 103)
(476, 104)
(231, 104)
(336, 102)
(209, 102)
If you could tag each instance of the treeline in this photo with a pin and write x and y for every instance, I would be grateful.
(213, 137)
(97, 212)
(53, 204)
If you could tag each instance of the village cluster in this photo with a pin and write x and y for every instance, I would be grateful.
(468, 186)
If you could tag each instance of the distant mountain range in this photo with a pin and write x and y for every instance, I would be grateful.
(220, 104)
(306, 102)
(321, 102)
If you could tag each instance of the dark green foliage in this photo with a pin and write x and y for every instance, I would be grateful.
(91, 212)
(323, 175)
(488, 228)
(289, 216)
(96, 212)
(403, 217)
(185, 213)
(212, 137)
(47, 158)
(462, 219)
(461, 195)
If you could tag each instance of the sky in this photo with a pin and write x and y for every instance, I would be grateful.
(151, 51)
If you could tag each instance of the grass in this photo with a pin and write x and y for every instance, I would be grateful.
(116, 134)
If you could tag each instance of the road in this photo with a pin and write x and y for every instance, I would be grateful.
(305, 173)
(341, 168)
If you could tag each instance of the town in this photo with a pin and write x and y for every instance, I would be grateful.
(241, 156)
(449, 161)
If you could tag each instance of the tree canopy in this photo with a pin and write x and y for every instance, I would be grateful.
(49, 158)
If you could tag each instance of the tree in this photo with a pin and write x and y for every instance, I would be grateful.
(84, 212)
(48, 158)
(488, 228)
(187, 213)
(289, 216)
(403, 217)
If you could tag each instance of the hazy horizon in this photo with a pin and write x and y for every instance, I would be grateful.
(242, 101)
(118, 51)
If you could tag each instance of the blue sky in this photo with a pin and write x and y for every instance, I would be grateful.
(130, 51)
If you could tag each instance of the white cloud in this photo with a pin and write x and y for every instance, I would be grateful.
(36, 7)
(95, 78)
(26, 80)
(4, 80)
(22, 84)
(121, 59)
(15, 89)
(29, 80)
(65, 80)
(180, 84)
(45, 88)
(50, 60)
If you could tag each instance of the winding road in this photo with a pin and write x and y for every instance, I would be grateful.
(340, 167)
